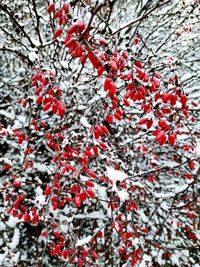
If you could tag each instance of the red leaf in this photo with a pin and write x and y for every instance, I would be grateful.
(104, 129)
(38, 90)
(92, 174)
(166, 97)
(117, 116)
(173, 99)
(70, 42)
(27, 217)
(65, 253)
(149, 123)
(183, 99)
(80, 262)
(100, 70)
(44, 233)
(54, 108)
(191, 164)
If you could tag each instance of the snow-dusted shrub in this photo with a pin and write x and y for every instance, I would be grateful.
(99, 133)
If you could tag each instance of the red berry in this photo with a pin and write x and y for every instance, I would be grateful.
(48, 190)
(39, 99)
(191, 164)
(83, 59)
(90, 192)
(142, 121)
(66, 7)
(77, 201)
(44, 233)
(61, 109)
(162, 123)
(112, 89)
(47, 106)
(72, 29)
(172, 139)
(107, 84)
(113, 65)
(89, 183)
(51, 8)
(161, 138)
(57, 33)
(83, 196)
(65, 253)
(109, 118)
(103, 145)
(58, 14)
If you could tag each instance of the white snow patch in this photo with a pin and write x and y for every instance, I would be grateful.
(9, 115)
(2, 226)
(36, 42)
(198, 148)
(40, 200)
(136, 241)
(33, 56)
(41, 167)
(6, 160)
(64, 64)
(85, 122)
(94, 100)
(15, 258)
(142, 216)
(91, 215)
(175, 259)
(81, 107)
(160, 259)
(83, 241)
(12, 222)
(3, 256)
(123, 195)
(15, 239)
(181, 188)
(115, 175)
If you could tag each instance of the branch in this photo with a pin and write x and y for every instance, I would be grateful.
(4, 8)
(140, 18)
(37, 21)
(21, 56)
